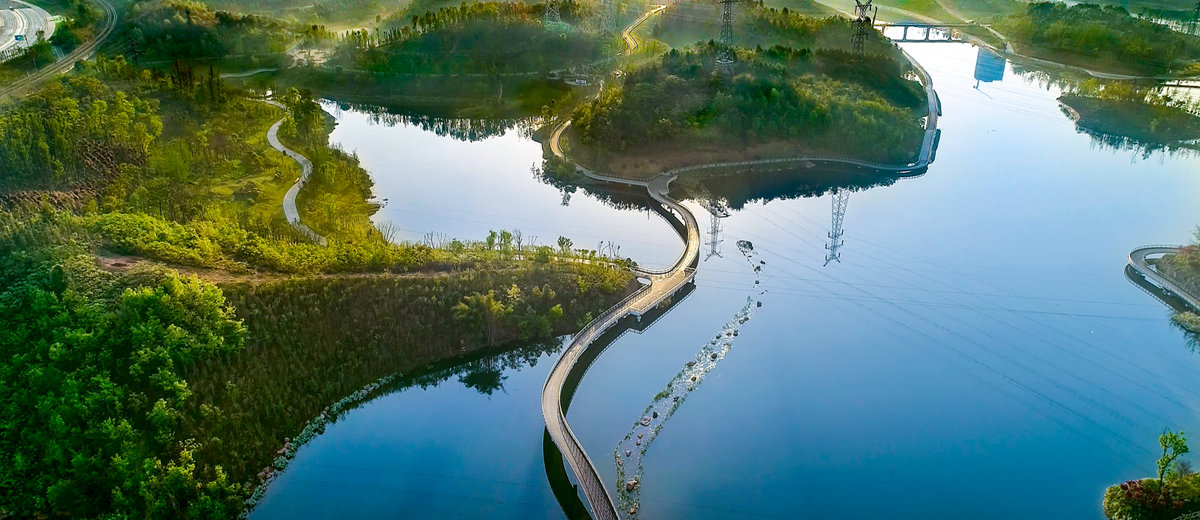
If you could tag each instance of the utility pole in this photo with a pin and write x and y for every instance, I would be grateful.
(864, 21)
(840, 198)
(726, 56)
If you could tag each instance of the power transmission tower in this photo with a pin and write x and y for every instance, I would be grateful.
(840, 198)
(552, 16)
(726, 57)
(864, 20)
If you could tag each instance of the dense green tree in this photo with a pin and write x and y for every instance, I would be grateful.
(92, 397)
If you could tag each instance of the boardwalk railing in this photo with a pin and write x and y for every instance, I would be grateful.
(1137, 260)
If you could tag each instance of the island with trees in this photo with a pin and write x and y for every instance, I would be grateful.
(1172, 493)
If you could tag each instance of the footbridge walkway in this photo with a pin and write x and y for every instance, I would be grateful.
(946, 32)
(665, 284)
(1138, 261)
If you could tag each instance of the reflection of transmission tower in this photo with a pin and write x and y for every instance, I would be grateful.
(717, 210)
(714, 237)
(864, 20)
(840, 198)
(552, 16)
(726, 57)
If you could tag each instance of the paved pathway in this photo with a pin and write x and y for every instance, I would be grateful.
(1137, 259)
(247, 73)
(289, 199)
(631, 43)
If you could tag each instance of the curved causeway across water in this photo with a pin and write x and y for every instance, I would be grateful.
(1137, 260)
(642, 301)
(663, 285)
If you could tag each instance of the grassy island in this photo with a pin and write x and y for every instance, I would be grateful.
(778, 102)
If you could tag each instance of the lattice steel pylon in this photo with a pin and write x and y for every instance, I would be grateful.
(717, 210)
(864, 20)
(840, 198)
(726, 57)
(552, 16)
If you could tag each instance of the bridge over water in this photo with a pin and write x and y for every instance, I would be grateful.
(926, 32)
(664, 285)
(1141, 264)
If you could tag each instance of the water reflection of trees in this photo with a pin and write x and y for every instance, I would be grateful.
(738, 189)
(486, 373)
(1146, 149)
(563, 176)
(1150, 94)
(462, 129)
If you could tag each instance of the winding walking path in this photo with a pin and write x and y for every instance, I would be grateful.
(1137, 260)
(306, 167)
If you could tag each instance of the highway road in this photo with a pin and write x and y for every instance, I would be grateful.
(66, 63)
(23, 19)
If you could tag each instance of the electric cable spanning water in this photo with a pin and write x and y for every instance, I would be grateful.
(631, 449)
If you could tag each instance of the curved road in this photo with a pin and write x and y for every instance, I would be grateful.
(25, 21)
(306, 167)
(1137, 259)
(631, 43)
(83, 52)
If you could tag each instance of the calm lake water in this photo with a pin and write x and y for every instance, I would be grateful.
(977, 353)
